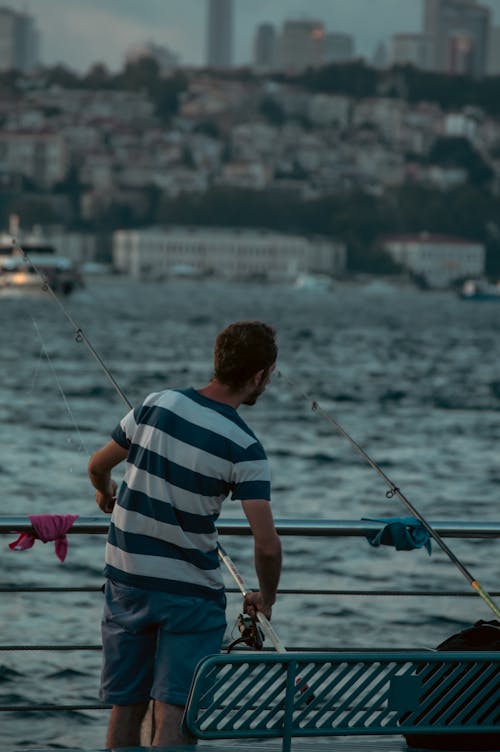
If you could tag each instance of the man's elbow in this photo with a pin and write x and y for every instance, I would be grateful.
(95, 466)
(92, 465)
(270, 548)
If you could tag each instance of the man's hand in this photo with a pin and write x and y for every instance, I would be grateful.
(106, 501)
(100, 466)
(253, 602)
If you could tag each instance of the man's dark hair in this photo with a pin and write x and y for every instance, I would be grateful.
(242, 349)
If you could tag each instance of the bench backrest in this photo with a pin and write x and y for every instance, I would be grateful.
(263, 695)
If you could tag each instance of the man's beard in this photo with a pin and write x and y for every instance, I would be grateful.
(254, 396)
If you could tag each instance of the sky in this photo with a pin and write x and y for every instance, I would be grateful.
(79, 33)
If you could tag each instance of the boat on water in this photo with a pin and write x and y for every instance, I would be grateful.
(314, 282)
(480, 290)
(27, 259)
(60, 272)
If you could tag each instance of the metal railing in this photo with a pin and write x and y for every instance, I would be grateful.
(294, 527)
(92, 525)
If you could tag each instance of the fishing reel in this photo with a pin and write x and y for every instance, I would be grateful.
(251, 633)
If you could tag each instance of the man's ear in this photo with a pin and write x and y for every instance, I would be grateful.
(258, 376)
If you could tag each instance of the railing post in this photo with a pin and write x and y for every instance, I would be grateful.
(289, 701)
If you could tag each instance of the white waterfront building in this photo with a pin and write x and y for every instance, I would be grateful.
(156, 253)
(438, 260)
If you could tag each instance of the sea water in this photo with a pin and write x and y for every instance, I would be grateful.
(412, 376)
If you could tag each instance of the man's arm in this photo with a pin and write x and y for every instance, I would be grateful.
(267, 547)
(100, 465)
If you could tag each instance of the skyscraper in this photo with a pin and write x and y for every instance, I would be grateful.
(220, 34)
(460, 34)
(302, 45)
(412, 49)
(265, 47)
(19, 41)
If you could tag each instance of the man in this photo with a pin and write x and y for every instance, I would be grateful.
(185, 451)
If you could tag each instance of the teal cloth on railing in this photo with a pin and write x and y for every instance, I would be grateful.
(404, 533)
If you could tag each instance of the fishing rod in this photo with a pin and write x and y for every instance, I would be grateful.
(264, 622)
(395, 491)
(261, 618)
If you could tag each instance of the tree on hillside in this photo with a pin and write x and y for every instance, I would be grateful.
(32, 209)
(97, 77)
(457, 151)
(165, 93)
(208, 128)
(354, 79)
(272, 111)
(61, 76)
(140, 74)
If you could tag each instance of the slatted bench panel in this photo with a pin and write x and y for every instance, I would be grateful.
(269, 695)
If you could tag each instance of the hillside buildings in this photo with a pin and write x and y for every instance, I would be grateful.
(39, 156)
(321, 143)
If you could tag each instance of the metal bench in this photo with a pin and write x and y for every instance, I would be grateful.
(270, 695)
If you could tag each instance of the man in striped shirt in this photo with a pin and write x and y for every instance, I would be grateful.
(186, 450)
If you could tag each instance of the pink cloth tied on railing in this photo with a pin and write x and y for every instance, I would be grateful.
(47, 527)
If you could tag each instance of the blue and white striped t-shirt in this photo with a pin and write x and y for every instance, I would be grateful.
(186, 454)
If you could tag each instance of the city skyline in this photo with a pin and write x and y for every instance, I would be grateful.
(77, 34)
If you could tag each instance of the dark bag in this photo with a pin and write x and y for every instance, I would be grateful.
(484, 635)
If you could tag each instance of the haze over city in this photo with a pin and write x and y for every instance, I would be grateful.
(78, 33)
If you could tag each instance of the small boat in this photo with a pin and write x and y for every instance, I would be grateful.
(60, 272)
(314, 282)
(480, 290)
(27, 257)
(186, 271)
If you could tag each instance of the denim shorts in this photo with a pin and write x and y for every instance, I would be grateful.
(153, 641)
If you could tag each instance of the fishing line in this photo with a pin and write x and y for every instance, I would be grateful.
(36, 370)
(59, 385)
(395, 491)
(80, 335)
